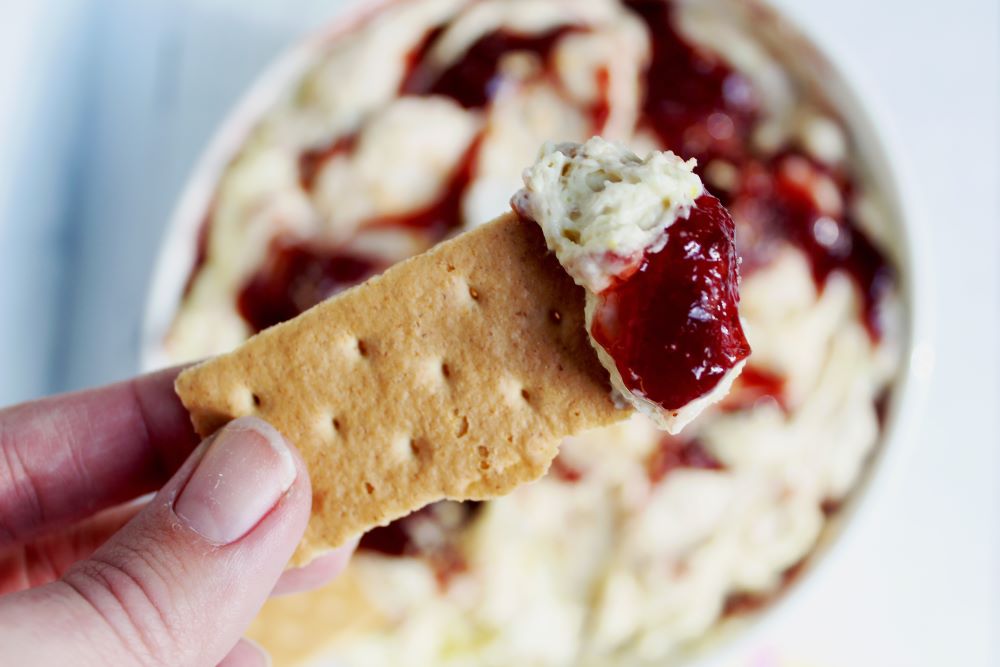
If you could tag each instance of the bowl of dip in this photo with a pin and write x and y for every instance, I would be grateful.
(408, 122)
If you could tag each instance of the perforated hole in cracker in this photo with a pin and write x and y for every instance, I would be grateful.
(419, 447)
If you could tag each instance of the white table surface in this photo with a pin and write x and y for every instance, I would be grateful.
(104, 106)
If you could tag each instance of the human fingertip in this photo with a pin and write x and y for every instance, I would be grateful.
(317, 573)
(246, 470)
(246, 653)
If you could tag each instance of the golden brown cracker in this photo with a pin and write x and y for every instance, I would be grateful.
(454, 374)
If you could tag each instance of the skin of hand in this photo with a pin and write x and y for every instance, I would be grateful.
(91, 576)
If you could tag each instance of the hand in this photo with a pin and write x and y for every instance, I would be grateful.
(85, 580)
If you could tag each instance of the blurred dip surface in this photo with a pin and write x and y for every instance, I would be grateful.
(416, 124)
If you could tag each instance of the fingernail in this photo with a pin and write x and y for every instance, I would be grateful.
(246, 470)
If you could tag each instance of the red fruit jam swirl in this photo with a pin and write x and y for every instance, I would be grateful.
(672, 327)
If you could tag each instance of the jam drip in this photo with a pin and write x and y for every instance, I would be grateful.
(700, 107)
(673, 453)
(672, 327)
(473, 80)
(297, 276)
(312, 160)
(429, 533)
(774, 205)
(697, 105)
(443, 216)
(745, 603)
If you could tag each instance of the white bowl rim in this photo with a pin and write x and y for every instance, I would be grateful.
(179, 242)
(910, 389)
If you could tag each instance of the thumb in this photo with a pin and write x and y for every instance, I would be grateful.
(180, 582)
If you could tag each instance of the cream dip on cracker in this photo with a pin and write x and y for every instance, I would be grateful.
(602, 207)
(656, 255)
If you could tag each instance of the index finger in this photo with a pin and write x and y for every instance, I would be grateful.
(66, 457)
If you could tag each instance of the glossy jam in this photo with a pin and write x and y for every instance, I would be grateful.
(473, 80)
(774, 205)
(696, 104)
(672, 328)
(297, 276)
(700, 107)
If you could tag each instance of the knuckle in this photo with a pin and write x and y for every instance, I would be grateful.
(129, 593)
(18, 491)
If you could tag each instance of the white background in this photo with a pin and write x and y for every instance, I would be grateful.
(105, 104)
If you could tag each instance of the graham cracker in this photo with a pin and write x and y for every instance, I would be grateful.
(455, 374)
